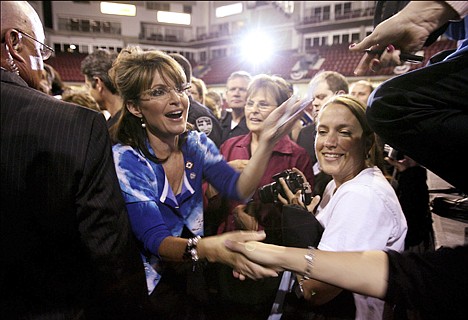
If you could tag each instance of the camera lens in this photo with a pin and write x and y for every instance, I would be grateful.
(267, 193)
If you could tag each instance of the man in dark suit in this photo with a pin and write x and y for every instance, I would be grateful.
(66, 248)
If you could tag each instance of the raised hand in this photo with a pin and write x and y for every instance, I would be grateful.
(281, 121)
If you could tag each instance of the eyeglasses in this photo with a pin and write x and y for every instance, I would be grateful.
(44, 49)
(162, 93)
(262, 106)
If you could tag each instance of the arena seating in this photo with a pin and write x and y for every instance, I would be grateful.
(68, 65)
(336, 57)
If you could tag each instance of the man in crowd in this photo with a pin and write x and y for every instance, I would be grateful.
(66, 249)
(233, 123)
(361, 90)
(95, 68)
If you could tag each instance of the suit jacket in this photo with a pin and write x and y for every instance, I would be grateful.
(66, 249)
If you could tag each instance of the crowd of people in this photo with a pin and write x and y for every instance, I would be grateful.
(144, 195)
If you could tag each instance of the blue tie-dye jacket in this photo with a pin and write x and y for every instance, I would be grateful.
(154, 211)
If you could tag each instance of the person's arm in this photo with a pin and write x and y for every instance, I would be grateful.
(317, 292)
(406, 31)
(361, 272)
(151, 230)
(273, 132)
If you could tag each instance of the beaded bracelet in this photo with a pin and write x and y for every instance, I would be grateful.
(191, 252)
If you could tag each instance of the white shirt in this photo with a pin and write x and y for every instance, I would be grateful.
(363, 214)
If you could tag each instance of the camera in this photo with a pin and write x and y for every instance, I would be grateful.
(269, 192)
(393, 153)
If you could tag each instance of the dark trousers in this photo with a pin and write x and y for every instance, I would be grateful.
(424, 114)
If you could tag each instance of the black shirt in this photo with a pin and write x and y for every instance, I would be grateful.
(204, 121)
(238, 130)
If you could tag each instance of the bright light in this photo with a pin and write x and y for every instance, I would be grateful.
(120, 9)
(229, 10)
(173, 17)
(257, 47)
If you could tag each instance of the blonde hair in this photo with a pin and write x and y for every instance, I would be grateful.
(200, 87)
(82, 98)
(214, 101)
(374, 155)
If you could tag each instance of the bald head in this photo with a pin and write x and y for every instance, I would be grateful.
(19, 15)
(20, 53)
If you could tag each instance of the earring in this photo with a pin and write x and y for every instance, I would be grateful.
(14, 68)
(143, 124)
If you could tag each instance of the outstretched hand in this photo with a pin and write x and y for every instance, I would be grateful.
(216, 251)
(406, 32)
(267, 255)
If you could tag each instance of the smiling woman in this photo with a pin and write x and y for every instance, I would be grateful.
(161, 165)
(359, 208)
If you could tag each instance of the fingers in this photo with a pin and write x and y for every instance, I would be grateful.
(289, 111)
(371, 40)
(234, 245)
(315, 201)
(297, 199)
(238, 275)
(376, 59)
(244, 267)
(282, 199)
(286, 189)
(243, 236)
(364, 64)
(255, 271)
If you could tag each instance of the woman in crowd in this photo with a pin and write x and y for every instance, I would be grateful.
(80, 97)
(359, 209)
(214, 102)
(265, 93)
(198, 90)
(160, 164)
